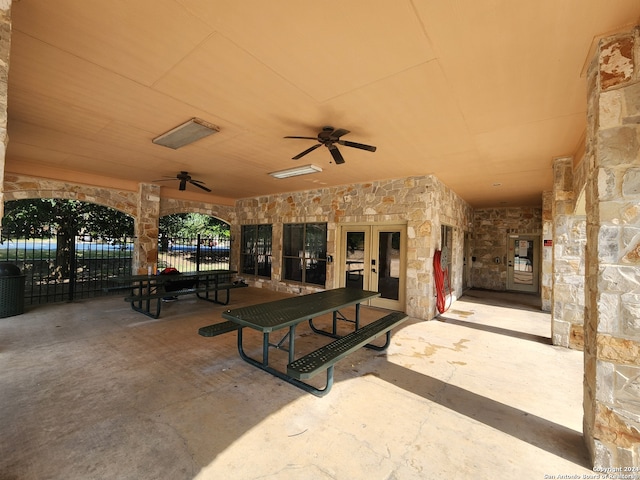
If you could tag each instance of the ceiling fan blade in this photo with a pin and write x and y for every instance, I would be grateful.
(338, 132)
(183, 184)
(164, 179)
(361, 146)
(335, 153)
(197, 184)
(305, 138)
(308, 150)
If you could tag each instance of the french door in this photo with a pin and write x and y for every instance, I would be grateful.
(373, 258)
(523, 263)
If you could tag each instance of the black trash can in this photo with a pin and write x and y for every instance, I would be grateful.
(11, 290)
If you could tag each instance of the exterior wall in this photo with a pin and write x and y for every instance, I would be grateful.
(19, 187)
(169, 206)
(492, 227)
(146, 227)
(457, 214)
(612, 318)
(145, 206)
(569, 239)
(546, 281)
(422, 203)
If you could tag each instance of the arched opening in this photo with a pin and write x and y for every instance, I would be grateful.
(67, 249)
(193, 241)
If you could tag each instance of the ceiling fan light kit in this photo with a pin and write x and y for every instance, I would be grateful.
(329, 137)
(294, 172)
(196, 129)
(185, 178)
(187, 133)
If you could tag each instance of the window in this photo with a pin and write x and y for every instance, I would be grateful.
(255, 253)
(305, 253)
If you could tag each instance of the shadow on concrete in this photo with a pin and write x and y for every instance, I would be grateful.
(498, 330)
(519, 301)
(540, 432)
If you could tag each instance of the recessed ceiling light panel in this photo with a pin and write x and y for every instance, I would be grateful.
(294, 172)
(187, 133)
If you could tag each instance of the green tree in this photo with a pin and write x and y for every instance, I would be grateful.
(64, 219)
(192, 224)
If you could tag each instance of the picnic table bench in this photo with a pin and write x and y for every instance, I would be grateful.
(288, 313)
(325, 357)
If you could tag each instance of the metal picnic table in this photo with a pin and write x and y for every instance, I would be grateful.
(288, 313)
(205, 284)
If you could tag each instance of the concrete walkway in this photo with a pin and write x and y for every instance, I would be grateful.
(93, 390)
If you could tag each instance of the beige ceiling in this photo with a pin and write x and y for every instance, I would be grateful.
(477, 92)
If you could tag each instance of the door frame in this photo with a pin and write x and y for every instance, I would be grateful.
(372, 231)
(535, 267)
(466, 261)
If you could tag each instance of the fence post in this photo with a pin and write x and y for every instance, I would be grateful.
(198, 251)
(73, 265)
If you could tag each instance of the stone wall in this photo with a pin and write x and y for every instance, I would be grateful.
(18, 187)
(145, 206)
(492, 227)
(453, 212)
(612, 314)
(546, 280)
(569, 239)
(169, 206)
(422, 203)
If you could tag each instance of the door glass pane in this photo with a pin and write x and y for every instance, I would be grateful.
(354, 269)
(523, 262)
(389, 265)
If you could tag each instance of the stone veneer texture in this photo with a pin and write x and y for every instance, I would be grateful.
(422, 203)
(612, 314)
(492, 227)
(569, 239)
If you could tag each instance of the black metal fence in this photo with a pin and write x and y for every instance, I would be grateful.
(88, 267)
(82, 269)
(194, 254)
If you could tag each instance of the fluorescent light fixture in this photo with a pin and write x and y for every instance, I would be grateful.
(293, 172)
(187, 133)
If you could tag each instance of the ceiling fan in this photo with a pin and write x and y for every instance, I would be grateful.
(185, 178)
(329, 137)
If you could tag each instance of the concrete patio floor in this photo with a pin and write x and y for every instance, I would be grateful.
(93, 390)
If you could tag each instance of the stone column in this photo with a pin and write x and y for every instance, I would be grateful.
(569, 237)
(146, 228)
(612, 314)
(5, 46)
(547, 251)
